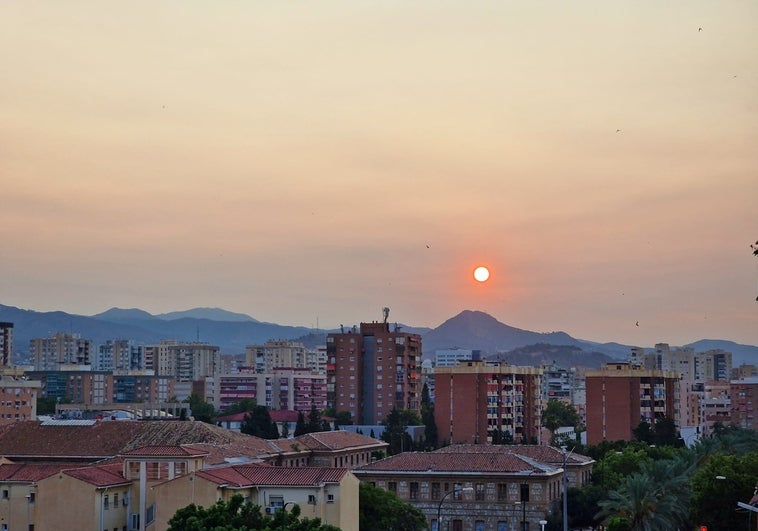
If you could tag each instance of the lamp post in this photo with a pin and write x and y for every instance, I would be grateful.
(740, 505)
(448, 493)
(543, 523)
(283, 510)
(564, 482)
(513, 514)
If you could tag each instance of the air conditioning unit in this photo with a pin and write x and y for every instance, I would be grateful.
(270, 510)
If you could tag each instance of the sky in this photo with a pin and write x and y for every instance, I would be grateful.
(311, 163)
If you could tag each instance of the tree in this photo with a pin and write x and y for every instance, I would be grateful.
(236, 514)
(301, 428)
(314, 420)
(285, 430)
(665, 432)
(395, 433)
(243, 406)
(557, 414)
(643, 432)
(46, 405)
(201, 410)
(258, 423)
(427, 417)
(381, 509)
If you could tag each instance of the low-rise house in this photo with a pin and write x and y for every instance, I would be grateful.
(330, 494)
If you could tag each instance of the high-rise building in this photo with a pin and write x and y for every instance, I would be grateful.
(6, 344)
(50, 353)
(282, 389)
(280, 354)
(744, 401)
(621, 395)
(371, 370)
(478, 402)
(118, 355)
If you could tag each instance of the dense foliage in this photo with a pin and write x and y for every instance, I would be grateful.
(258, 423)
(381, 509)
(236, 515)
(638, 486)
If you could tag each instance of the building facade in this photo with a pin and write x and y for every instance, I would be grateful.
(6, 344)
(50, 353)
(477, 402)
(372, 370)
(621, 395)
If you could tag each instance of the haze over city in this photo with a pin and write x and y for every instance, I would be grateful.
(312, 164)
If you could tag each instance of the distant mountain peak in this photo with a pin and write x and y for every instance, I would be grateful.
(212, 314)
(123, 314)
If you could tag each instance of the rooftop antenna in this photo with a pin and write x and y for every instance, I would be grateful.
(198, 333)
(386, 312)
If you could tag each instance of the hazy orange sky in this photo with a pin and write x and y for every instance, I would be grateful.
(314, 162)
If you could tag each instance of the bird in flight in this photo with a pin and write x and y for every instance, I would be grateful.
(700, 29)
(637, 323)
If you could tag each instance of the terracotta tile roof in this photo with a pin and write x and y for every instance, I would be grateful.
(99, 476)
(543, 454)
(334, 440)
(250, 475)
(281, 415)
(28, 472)
(495, 463)
(186, 450)
(29, 440)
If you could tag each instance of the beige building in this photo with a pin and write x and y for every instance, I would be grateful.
(283, 354)
(330, 494)
(18, 398)
(155, 467)
(50, 353)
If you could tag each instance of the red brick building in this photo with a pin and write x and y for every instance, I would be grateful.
(744, 395)
(621, 395)
(477, 402)
(372, 370)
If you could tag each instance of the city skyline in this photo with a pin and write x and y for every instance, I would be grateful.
(311, 165)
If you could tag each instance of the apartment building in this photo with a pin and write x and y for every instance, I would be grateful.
(283, 354)
(89, 388)
(477, 402)
(118, 355)
(744, 395)
(621, 395)
(6, 344)
(371, 370)
(282, 389)
(18, 398)
(50, 353)
(185, 362)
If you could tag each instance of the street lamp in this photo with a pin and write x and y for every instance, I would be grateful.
(564, 481)
(543, 523)
(283, 510)
(740, 505)
(448, 493)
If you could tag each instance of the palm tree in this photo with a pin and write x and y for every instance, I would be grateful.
(654, 499)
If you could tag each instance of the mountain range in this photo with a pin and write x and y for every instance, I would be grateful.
(232, 332)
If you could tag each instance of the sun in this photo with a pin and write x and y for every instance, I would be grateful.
(481, 274)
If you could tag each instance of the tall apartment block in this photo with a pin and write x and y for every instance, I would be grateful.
(6, 344)
(744, 401)
(282, 354)
(118, 355)
(371, 370)
(186, 362)
(18, 398)
(478, 402)
(621, 395)
(50, 353)
(282, 389)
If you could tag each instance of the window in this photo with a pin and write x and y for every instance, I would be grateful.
(115, 499)
(276, 502)
(479, 525)
(435, 491)
(149, 515)
(479, 491)
(392, 486)
(330, 498)
(311, 499)
(457, 494)
(106, 504)
(6, 495)
(414, 490)
(502, 492)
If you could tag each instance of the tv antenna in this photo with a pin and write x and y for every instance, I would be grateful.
(386, 312)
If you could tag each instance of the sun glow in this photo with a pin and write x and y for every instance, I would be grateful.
(481, 274)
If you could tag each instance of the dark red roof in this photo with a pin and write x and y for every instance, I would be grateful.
(99, 476)
(496, 463)
(186, 450)
(250, 475)
(28, 472)
(334, 440)
(543, 454)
